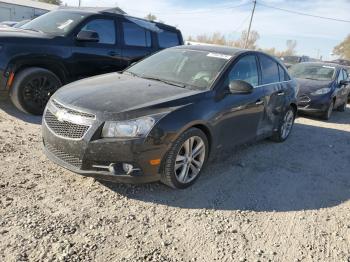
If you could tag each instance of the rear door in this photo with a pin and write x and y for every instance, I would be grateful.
(138, 42)
(241, 113)
(90, 58)
(275, 91)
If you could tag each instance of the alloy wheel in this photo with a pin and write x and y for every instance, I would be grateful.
(287, 124)
(37, 91)
(190, 159)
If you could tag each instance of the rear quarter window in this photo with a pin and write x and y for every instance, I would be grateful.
(168, 39)
(283, 74)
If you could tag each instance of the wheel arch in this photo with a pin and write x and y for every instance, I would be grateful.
(53, 66)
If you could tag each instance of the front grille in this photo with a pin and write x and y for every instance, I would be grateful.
(69, 159)
(72, 111)
(65, 128)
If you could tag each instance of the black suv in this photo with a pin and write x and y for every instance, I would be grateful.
(69, 44)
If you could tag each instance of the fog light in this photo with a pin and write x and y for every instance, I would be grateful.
(127, 168)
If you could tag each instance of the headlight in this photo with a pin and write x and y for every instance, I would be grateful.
(321, 91)
(139, 127)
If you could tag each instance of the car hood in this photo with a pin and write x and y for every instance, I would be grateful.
(307, 86)
(118, 93)
(11, 32)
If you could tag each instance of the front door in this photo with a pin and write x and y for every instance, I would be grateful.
(241, 113)
(90, 58)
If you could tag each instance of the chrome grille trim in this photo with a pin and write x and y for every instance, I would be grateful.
(72, 111)
(67, 158)
(65, 129)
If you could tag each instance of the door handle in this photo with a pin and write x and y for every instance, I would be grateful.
(259, 102)
(113, 53)
(280, 93)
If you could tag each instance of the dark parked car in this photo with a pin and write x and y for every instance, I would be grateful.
(69, 44)
(293, 59)
(323, 87)
(161, 118)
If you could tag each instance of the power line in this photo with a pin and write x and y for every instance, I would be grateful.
(304, 14)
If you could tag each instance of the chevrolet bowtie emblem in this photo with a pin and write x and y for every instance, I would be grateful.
(61, 115)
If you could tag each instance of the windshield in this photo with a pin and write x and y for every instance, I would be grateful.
(312, 71)
(193, 69)
(55, 22)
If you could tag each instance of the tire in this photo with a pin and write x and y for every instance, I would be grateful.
(327, 114)
(285, 125)
(32, 89)
(342, 107)
(170, 174)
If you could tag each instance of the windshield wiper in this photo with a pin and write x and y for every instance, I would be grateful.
(164, 81)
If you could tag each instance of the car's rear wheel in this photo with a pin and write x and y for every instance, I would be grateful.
(32, 89)
(285, 125)
(327, 114)
(185, 159)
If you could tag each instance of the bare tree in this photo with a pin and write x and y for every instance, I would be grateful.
(291, 45)
(219, 39)
(151, 17)
(343, 49)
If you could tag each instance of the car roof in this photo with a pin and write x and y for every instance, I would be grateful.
(226, 50)
(116, 11)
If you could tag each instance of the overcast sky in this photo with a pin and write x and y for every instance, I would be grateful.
(194, 17)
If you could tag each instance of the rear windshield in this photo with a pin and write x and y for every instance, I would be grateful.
(55, 22)
(312, 71)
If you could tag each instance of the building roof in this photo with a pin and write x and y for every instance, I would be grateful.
(31, 3)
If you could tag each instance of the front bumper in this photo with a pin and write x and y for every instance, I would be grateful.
(314, 104)
(103, 158)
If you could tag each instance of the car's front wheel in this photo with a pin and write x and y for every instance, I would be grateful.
(285, 125)
(32, 89)
(185, 159)
(327, 114)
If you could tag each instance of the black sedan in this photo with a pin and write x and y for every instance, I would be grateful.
(163, 117)
(323, 87)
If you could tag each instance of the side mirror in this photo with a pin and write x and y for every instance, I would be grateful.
(344, 82)
(240, 87)
(88, 36)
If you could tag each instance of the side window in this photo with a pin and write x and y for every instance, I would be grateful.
(168, 39)
(269, 70)
(245, 69)
(345, 75)
(340, 76)
(283, 74)
(135, 35)
(105, 29)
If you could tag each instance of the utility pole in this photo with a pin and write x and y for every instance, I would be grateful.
(250, 25)
(79, 3)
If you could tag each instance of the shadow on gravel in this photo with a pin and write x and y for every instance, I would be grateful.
(309, 171)
(9, 108)
(336, 118)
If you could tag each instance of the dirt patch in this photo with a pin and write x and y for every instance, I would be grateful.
(267, 202)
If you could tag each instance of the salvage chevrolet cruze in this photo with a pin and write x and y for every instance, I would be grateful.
(164, 116)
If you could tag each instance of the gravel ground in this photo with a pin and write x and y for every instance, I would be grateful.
(263, 202)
